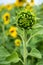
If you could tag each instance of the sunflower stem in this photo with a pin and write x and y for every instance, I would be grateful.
(24, 47)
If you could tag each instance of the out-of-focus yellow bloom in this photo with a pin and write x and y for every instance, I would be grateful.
(6, 18)
(17, 42)
(19, 2)
(13, 31)
(2, 7)
(28, 7)
(9, 7)
(32, 3)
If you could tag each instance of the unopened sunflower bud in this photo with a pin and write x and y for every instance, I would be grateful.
(26, 20)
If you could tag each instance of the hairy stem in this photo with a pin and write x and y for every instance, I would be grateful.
(24, 48)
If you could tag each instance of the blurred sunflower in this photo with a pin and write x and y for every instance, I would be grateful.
(17, 42)
(28, 7)
(6, 18)
(9, 7)
(32, 3)
(13, 31)
(2, 7)
(20, 2)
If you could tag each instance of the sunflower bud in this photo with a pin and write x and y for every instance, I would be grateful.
(26, 20)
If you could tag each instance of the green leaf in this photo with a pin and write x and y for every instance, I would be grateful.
(40, 32)
(35, 53)
(3, 52)
(4, 64)
(13, 58)
(40, 63)
(37, 26)
(35, 41)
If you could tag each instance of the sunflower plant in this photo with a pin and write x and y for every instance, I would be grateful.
(21, 37)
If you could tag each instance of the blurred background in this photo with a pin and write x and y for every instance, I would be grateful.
(37, 2)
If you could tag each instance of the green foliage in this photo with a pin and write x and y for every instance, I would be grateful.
(35, 53)
(30, 51)
(13, 58)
